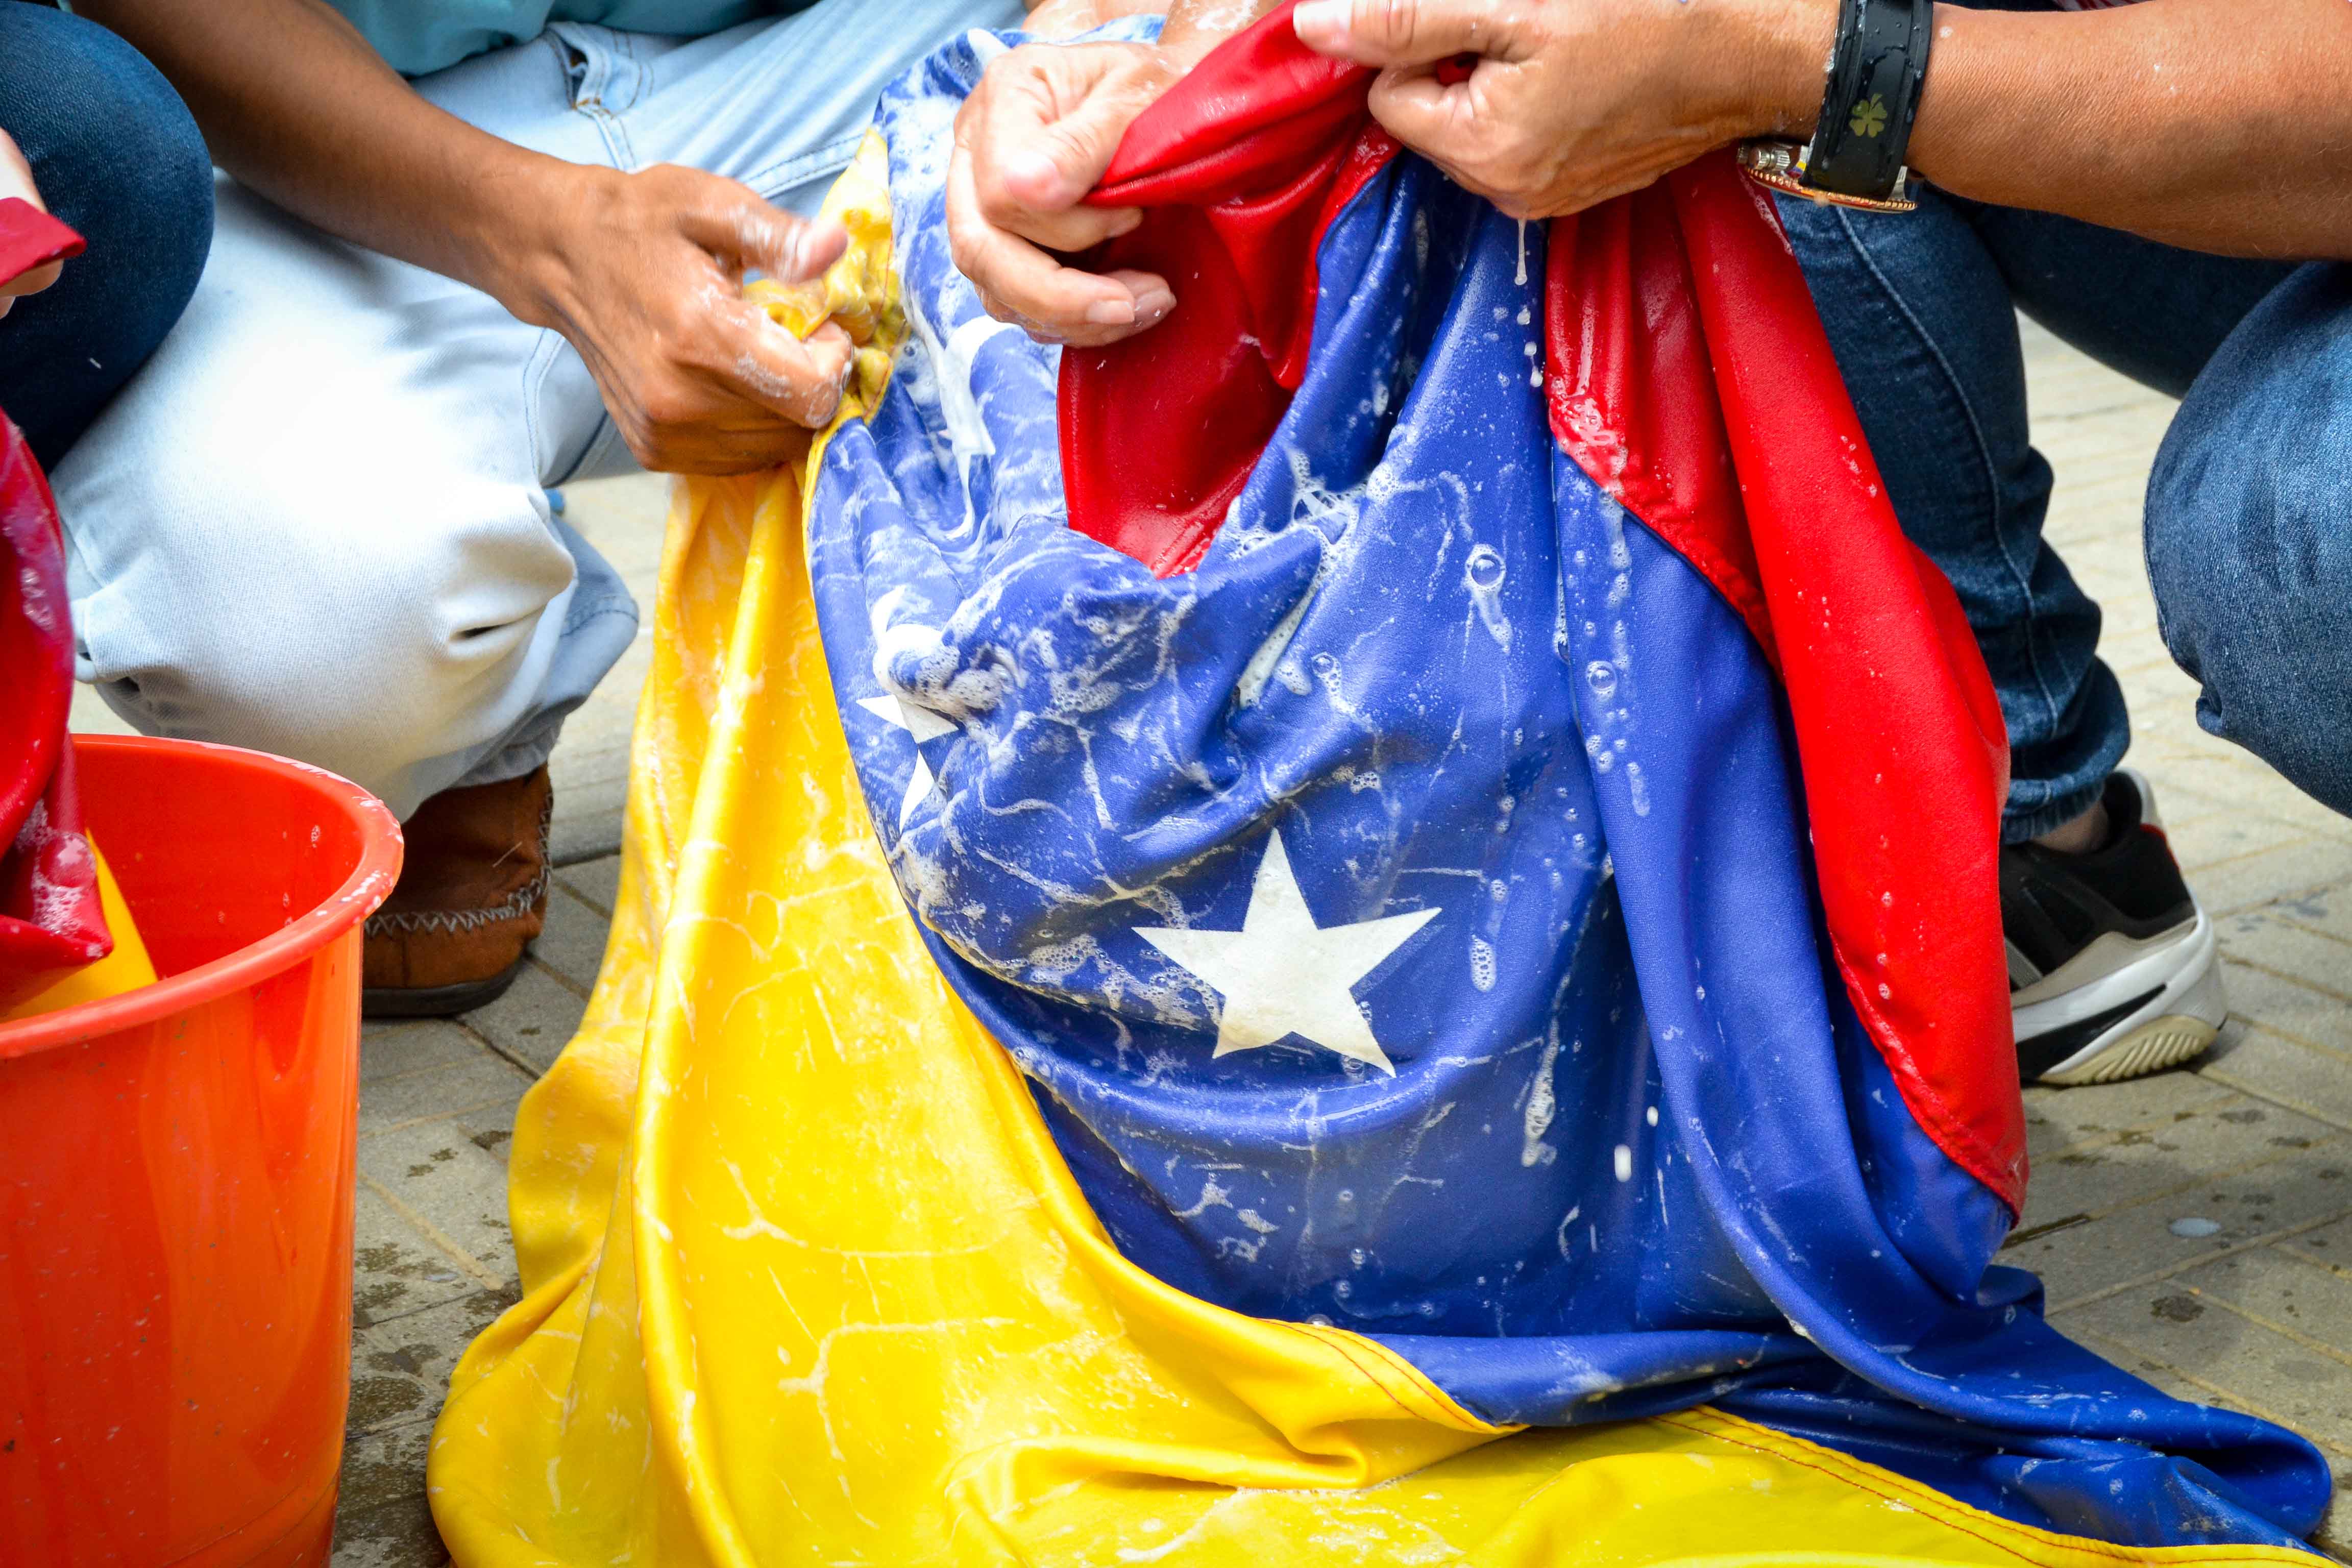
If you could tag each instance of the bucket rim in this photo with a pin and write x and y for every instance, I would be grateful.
(368, 884)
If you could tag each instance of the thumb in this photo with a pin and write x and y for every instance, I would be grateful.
(1406, 32)
(749, 234)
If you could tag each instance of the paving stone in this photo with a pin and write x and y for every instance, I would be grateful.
(573, 944)
(601, 765)
(381, 1517)
(533, 1020)
(479, 1078)
(433, 1175)
(2275, 938)
(2216, 837)
(2262, 994)
(390, 1050)
(2102, 1251)
(490, 1128)
(2056, 1118)
(400, 1368)
(597, 883)
(2261, 1062)
(2100, 1175)
(397, 1271)
(598, 834)
(2327, 913)
(2330, 1246)
(2276, 1287)
(2305, 863)
(2179, 1322)
(397, 1535)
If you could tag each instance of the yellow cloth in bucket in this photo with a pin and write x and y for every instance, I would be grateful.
(807, 1281)
(127, 968)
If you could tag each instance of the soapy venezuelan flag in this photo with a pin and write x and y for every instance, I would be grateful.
(1361, 930)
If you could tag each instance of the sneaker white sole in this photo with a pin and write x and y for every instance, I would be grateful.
(2182, 1011)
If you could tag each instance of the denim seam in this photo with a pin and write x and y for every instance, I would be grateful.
(588, 99)
(534, 382)
(779, 177)
(598, 607)
(1984, 450)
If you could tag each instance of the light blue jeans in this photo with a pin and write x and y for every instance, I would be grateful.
(315, 523)
(2249, 532)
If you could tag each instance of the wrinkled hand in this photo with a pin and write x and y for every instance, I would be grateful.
(16, 180)
(644, 273)
(1032, 139)
(1571, 103)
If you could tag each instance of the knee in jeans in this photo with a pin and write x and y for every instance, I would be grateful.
(340, 651)
(2249, 563)
(117, 154)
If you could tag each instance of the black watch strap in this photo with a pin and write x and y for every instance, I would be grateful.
(1877, 68)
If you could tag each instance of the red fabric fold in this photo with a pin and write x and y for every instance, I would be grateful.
(1241, 166)
(1688, 377)
(30, 238)
(49, 915)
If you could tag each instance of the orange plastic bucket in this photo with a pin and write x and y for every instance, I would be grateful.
(176, 1178)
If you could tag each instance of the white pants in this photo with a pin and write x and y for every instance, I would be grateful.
(316, 522)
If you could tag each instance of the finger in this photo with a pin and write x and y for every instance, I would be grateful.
(1438, 122)
(800, 379)
(749, 235)
(1076, 229)
(1408, 32)
(31, 282)
(1018, 282)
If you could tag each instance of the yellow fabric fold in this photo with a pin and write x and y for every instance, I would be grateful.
(127, 968)
(807, 1281)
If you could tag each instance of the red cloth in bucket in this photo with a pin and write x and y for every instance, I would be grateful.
(49, 917)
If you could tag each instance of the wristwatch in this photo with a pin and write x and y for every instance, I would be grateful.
(1855, 158)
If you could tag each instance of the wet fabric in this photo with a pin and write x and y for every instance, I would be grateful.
(1384, 1061)
(51, 920)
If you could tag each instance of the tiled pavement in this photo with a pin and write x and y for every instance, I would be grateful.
(2196, 1226)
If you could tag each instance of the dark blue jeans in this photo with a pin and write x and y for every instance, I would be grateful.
(2250, 517)
(115, 154)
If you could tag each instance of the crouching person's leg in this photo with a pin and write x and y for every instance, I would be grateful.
(2250, 534)
(315, 526)
(115, 156)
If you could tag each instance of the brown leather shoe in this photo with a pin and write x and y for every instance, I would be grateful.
(472, 895)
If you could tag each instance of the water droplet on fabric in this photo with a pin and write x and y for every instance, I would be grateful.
(1601, 675)
(1485, 567)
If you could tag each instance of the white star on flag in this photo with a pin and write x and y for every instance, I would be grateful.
(1282, 973)
(921, 724)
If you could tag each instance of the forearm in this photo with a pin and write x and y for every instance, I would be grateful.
(297, 105)
(2222, 126)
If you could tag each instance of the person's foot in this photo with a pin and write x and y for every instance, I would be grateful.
(472, 896)
(2113, 969)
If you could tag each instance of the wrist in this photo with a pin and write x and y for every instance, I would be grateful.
(520, 246)
(1780, 53)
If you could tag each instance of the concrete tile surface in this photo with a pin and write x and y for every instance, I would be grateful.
(2256, 1139)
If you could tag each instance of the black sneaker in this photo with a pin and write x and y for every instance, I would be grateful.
(2113, 969)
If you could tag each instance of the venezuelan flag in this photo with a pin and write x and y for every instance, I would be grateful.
(1364, 929)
